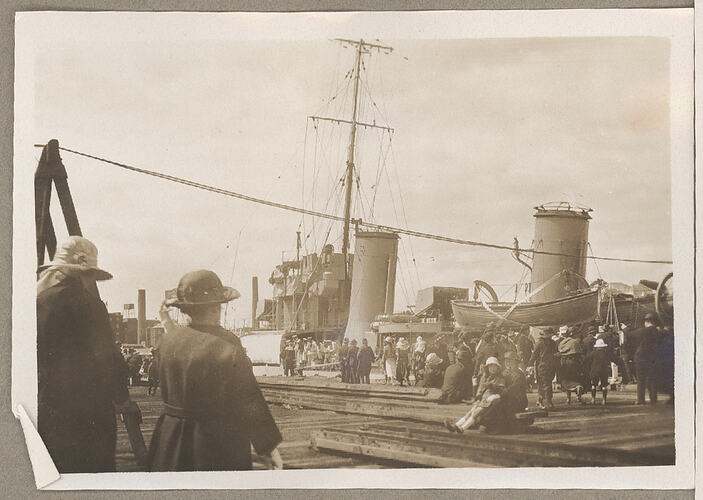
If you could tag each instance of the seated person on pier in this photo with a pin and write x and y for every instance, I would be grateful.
(514, 399)
(434, 377)
(488, 397)
(457, 380)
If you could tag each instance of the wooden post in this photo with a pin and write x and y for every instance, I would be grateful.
(60, 179)
(51, 170)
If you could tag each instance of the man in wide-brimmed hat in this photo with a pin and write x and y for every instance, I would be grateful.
(81, 373)
(213, 407)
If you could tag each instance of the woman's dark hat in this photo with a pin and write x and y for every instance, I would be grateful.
(201, 287)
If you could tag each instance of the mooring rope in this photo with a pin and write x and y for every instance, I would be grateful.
(369, 225)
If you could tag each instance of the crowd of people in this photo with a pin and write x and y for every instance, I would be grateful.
(142, 368)
(495, 370)
(298, 352)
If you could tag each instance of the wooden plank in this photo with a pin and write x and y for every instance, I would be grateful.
(587, 454)
(388, 454)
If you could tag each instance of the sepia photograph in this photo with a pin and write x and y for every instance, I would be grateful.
(355, 242)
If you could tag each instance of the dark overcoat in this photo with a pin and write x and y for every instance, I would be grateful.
(486, 350)
(515, 396)
(366, 357)
(543, 357)
(434, 377)
(81, 374)
(454, 387)
(214, 409)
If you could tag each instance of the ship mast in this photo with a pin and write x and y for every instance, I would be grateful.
(350, 162)
(361, 48)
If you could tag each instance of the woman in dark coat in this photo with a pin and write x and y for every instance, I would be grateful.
(81, 373)
(366, 358)
(572, 376)
(598, 365)
(213, 408)
(402, 367)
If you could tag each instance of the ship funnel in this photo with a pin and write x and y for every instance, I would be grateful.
(560, 228)
(373, 280)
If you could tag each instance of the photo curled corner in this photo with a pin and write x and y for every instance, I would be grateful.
(45, 471)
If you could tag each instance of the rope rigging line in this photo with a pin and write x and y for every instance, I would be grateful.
(370, 225)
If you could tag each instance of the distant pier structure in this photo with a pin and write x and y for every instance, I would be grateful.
(561, 230)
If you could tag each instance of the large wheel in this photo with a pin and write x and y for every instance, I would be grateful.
(664, 299)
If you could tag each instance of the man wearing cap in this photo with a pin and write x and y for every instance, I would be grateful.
(353, 363)
(344, 361)
(213, 408)
(366, 358)
(572, 377)
(545, 366)
(589, 339)
(288, 359)
(81, 373)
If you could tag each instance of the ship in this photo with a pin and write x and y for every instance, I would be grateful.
(332, 293)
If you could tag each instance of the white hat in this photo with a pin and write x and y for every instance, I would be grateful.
(433, 359)
(492, 361)
(563, 329)
(600, 343)
(79, 254)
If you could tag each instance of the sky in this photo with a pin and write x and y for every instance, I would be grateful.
(484, 130)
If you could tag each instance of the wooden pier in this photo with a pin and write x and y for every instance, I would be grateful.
(327, 424)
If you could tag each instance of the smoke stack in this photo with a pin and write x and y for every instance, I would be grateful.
(373, 280)
(562, 229)
(254, 301)
(141, 316)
